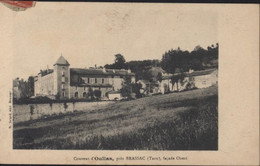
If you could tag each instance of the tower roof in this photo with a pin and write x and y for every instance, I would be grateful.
(62, 61)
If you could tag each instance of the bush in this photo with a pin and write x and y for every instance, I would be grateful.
(97, 94)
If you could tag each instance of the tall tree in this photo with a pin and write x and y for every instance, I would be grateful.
(30, 83)
(119, 61)
(90, 93)
(126, 89)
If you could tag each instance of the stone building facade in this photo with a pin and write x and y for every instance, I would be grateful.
(66, 83)
(191, 79)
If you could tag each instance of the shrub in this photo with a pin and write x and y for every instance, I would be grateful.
(97, 94)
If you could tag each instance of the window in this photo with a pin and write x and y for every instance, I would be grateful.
(63, 94)
(62, 79)
(103, 80)
(84, 88)
(95, 80)
(63, 73)
(88, 80)
(62, 86)
(76, 95)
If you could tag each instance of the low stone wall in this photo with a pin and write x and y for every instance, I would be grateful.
(27, 112)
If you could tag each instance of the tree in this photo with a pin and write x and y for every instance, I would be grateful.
(137, 67)
(30, 83)
(119, 61)
(198, 59)
(126, 89)
(198, 47)
(159, 77)
(153, 74)
(173, 59)
(136, 89)
(90, 93)
(178, 78)
(97, 94)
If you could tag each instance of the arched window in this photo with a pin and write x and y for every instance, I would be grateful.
(76, 94)
(84, 94)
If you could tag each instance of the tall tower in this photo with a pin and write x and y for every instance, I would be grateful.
(62, 78)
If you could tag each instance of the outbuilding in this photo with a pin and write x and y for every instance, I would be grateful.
(114, 95)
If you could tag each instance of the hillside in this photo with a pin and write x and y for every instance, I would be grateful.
(176, 121)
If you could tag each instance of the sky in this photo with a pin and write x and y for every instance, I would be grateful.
(92, 33)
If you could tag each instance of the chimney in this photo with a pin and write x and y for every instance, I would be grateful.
(129, 71)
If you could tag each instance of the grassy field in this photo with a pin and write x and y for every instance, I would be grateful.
(177, 121)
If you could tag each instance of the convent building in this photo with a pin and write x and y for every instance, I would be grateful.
(68, 83)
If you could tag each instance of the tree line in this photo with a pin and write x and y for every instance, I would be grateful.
(173, 61)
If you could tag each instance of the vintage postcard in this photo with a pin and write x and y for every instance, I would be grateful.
(129, 83)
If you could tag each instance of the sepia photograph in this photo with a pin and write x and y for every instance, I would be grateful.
(115, 78)
(127, 83)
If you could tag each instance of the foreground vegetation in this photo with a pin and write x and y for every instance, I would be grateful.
(177, 121)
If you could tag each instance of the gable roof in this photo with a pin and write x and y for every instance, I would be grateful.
(62, 61)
